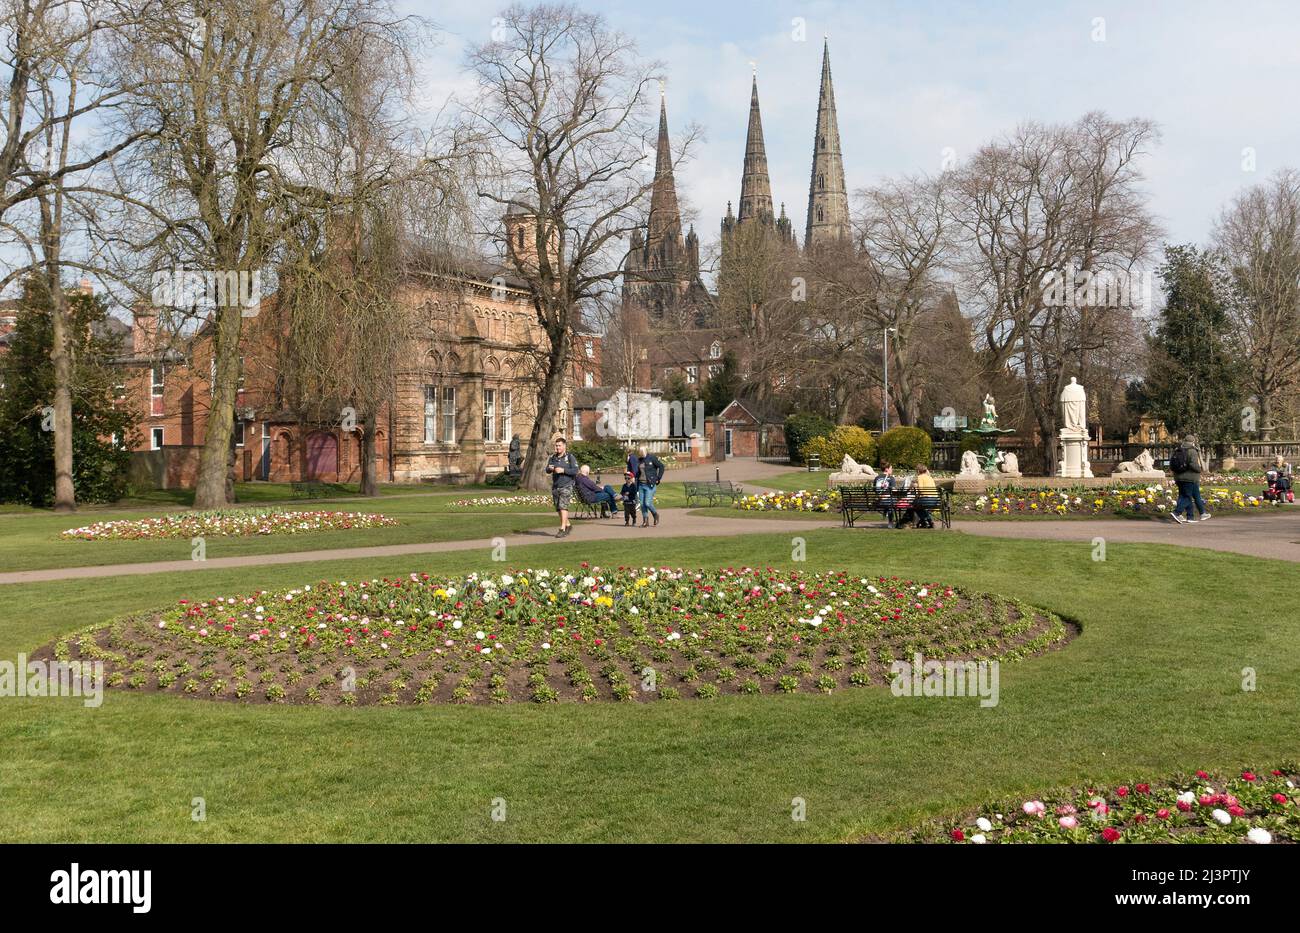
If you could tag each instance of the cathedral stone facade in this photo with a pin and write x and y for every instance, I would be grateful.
(661, 279)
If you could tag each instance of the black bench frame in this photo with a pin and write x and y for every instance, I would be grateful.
(312, 489)
(856, 501)
(712, 491)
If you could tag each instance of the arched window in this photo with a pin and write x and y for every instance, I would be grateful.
(822, 142)
(520, 238)
(821, 182)
(820, 215)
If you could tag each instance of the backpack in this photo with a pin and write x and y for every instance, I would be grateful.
(1180, 461)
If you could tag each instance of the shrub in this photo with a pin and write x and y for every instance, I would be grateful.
(846, 439)
(800, 428)
(600, 454)
(905, 447)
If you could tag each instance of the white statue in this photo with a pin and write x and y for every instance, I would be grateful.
(1009, 464)
(990, 410)
(1143, 465)
(1074, 408)
(851, 472)
(970, 464)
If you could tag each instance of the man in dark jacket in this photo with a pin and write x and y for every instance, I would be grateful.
(1186, 464)
(648, 479)
(563, 467)
(591, 491)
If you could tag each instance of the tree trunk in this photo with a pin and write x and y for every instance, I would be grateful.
(211, 491)
(548, 403)
(65, 496)
(369, 480)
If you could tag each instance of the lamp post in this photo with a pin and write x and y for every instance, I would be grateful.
(884, 399)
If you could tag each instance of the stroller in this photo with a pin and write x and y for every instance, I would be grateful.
(1279, 487)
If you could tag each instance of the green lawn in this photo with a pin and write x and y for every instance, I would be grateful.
(1153, 684)
(32, 542)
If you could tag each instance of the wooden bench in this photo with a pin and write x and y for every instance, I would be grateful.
(308, 490)
(856, 501)
(712, 492)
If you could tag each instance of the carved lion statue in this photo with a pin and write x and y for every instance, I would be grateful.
(1009, 463)
(1142, 463)
(849, 465)
(970, 464)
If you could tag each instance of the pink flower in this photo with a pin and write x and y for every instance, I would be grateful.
(1034, 808)
(1110, 834)
(1247, 776)
(1163, 813)
(1068, 822)
(1280, 798)
(1121, 791)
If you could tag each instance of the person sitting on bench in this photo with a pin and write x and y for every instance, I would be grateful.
(593, 493)
(925, 496)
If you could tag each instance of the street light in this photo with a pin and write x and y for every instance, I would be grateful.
(884, 399)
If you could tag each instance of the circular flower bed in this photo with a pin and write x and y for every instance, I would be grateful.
(1253, 806)
(228, 523)
(493, 501)
(1119, 501)
(801, 501)
(534, 635)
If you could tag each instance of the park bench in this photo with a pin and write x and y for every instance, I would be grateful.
(856, 501)
(712, 492)
(308, 490)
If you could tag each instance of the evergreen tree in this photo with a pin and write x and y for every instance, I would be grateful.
(1196, 380)
(721, 390)
(27, 374)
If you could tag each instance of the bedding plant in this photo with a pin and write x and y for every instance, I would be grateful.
(535, 635)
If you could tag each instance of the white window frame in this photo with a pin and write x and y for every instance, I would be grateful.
(715, 350)
(692, 374)
(489, 416)
(156, 381)
(156, 438)
(431, 414)
(507, 416)
(449, 414)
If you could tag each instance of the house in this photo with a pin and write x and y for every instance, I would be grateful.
(748, 427)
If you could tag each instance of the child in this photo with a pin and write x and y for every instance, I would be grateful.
(628, 495)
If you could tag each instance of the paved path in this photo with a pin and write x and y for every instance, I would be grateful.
(675, 523)
(1272, 536)
(1276, 536)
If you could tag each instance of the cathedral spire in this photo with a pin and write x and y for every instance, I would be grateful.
(755, 186)
(664, 228)
(828, 201)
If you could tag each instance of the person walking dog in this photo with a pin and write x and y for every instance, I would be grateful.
(651, 475)
(1186, 466)
(563, 467)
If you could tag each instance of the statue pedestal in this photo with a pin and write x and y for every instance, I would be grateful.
(970, 484)
(1140, 476)
(1074, 455)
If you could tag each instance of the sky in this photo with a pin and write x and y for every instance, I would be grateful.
(917, 81)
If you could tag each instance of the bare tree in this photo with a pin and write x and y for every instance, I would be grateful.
(54, 84)
(1259, 236)
(1043, 216)
(563, 102)
(389, 201)
(226, 89)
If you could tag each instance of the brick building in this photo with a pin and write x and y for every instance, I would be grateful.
(467, 385)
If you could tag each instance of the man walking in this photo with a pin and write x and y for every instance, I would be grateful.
(1186, 466)
(563, 467)
(652, 473)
